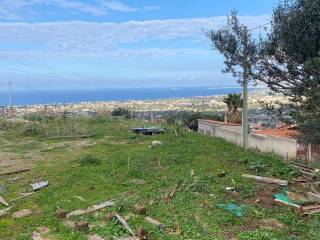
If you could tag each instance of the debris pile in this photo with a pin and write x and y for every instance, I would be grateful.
(305, 202)
(308, 173)
(11, 203)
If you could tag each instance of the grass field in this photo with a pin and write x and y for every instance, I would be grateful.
(83, 172)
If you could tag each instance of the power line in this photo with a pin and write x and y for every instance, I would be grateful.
(260, 26)
(38, 66)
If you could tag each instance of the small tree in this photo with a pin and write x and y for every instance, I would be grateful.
(289, 61)
(234, 102)
(235, 42)
(121, 112)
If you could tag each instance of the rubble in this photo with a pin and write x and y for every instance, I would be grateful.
(138, 181)
(61, 214)
(39, 185)
(140, 209)
(308, 173)
(155, 222)
(5, 211)
(22, 213)
(156, 143)
(38, 235)
(82, 226)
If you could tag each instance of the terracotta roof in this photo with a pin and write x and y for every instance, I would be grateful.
(282, 132)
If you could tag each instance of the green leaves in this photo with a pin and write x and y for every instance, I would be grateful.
(237, 45)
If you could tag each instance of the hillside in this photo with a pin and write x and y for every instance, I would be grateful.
(180, 182)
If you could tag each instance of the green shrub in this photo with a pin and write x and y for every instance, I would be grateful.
(32, 129)
(121, 112)
(37, 117)
(190, 119)
(4, 124)
(89, 160)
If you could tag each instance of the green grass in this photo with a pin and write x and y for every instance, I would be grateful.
(122, 157)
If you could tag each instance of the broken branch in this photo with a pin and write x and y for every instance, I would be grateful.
(14, 172)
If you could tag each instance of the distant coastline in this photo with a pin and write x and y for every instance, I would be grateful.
(35, 97)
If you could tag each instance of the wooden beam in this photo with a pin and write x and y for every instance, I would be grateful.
(267, 180)
(14, 172)
(124, 223)
(314, 197)
(91, 209)
(4, 202)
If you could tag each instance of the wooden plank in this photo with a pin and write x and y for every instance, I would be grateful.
(312, 175)
(4, 202)
(14, 172)
(312, 207)
(124, 223)
(91, 209)
(302, 166)
(267, 180)
(314, 197)
(312, 212)
(23, 195)
(155, 222)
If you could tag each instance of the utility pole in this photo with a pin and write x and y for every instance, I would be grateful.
(245, 66)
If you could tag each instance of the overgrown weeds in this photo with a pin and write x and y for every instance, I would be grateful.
(88, 160)
(33, 129)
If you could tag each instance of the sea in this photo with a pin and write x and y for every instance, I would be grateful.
(33, 97)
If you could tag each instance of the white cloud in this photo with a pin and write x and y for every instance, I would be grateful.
(151, 8)
(17, 9)
(105, 39)
(79, 6)
(118, 6)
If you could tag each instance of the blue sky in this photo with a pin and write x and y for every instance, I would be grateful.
(59, 44)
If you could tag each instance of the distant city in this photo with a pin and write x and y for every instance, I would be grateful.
(156, 109)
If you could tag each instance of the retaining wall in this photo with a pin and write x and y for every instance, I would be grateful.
(284, 147)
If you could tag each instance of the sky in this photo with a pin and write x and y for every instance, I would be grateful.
(95, 44)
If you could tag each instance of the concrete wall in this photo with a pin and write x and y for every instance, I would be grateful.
(284, 147)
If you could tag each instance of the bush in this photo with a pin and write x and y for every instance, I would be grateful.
(4, 124)
(235, 118)
(32, 129)
(172, 119)
(120, 112)
(37, 117)
(89, 160)
(190, 120)
(212, 116)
